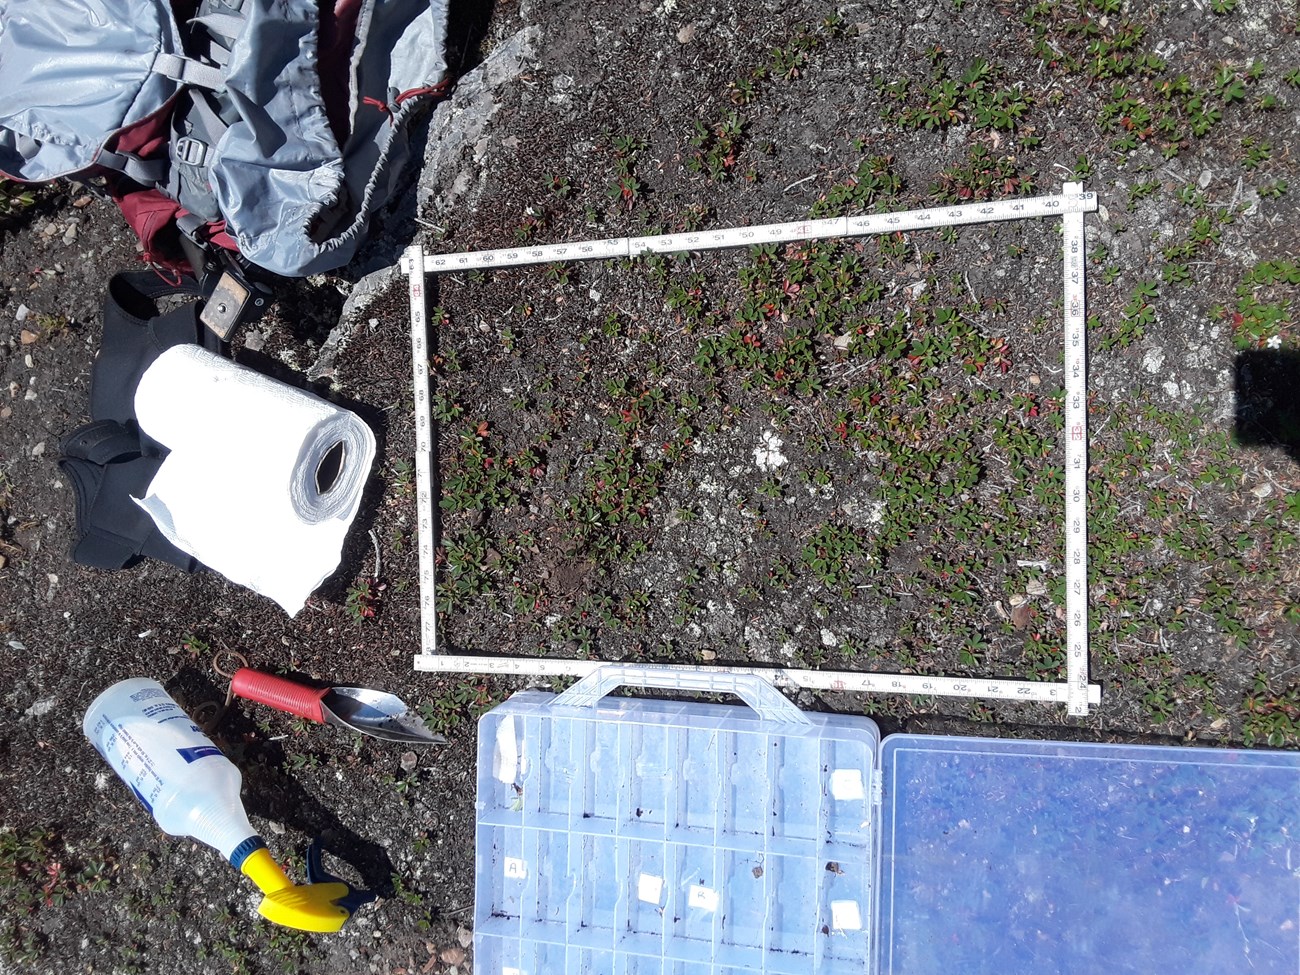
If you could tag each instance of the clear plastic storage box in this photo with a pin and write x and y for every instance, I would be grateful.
(630, 835)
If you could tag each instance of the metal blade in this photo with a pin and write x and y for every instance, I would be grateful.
(379, 715)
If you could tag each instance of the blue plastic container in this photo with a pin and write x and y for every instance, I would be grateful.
(631, 835)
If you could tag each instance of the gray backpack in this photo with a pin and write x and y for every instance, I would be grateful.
(266, 129)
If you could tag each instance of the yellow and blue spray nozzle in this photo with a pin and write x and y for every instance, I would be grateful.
(323, 904)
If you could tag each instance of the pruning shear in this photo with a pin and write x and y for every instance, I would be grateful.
(359, 709)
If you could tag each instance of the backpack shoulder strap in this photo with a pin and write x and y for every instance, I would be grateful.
(189, 71)
(136, 332)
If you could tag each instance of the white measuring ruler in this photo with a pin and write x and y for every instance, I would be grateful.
(771, 233)
(1076, 692)
(1003, 689)
(1076, 463)
(413, 265)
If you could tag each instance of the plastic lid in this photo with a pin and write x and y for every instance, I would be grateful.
(1002, 856)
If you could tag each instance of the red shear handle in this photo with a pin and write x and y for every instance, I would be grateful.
(284, 695)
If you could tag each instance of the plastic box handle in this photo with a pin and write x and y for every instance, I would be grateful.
(754, 690)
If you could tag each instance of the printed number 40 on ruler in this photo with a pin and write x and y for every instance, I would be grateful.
(1076, 692)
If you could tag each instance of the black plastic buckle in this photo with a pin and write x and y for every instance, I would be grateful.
(317, 874)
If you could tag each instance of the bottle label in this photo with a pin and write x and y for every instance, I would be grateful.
(194, 754)
(143, 801)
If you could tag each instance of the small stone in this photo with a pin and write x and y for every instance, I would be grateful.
(454, 955)
(21, 314)
(29, 395)
(1262, 491)
(38, 450)
(708, 655)
(70, 235)
(1036, 587)
(686, 34)
(41, 707)
(408, 761)
(28, 361)
(1203, 180)
(4, 560)
(1035, 380)
(6, 412)
(464, 936)
(1020, 615)
(29, 337)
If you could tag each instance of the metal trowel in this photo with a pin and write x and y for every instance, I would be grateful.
(359, 709)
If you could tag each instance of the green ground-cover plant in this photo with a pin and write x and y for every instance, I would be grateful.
(717, 147)
(14, 197)
(1272, 713)
(1263, 315)
(979, 94)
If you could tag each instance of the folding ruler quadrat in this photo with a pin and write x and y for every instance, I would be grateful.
(1070, 205)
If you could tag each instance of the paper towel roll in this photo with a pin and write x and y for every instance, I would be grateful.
(262, 480)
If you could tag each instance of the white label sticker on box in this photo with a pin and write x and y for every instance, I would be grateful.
(516, 869)
(846, 784)
(649, 889)
(846, 916)
(505, 753)
(703, 898)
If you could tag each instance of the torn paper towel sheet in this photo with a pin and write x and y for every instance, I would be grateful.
(263, 480)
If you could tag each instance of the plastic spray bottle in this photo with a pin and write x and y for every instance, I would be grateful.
(192, 789)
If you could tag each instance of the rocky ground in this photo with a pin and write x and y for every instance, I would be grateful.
(843, 455)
